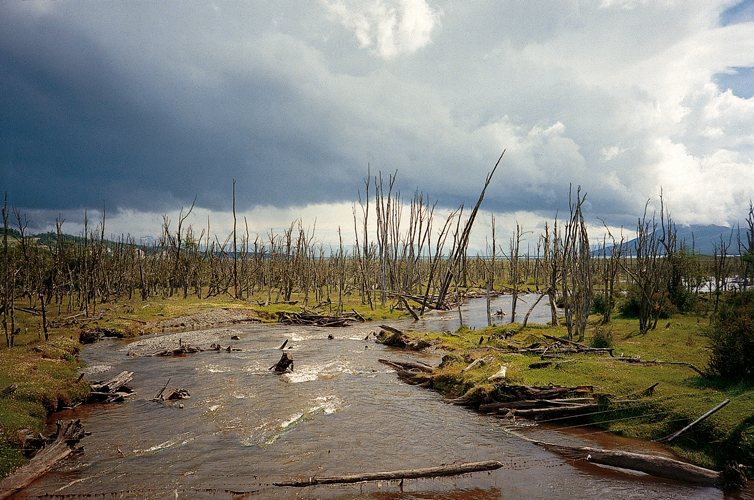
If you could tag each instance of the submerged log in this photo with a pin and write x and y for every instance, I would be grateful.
(63, 442)
(649, 464)
(441, 471)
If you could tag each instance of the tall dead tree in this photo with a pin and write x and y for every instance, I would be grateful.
(653, 246)
(576, 282)
(463, 242)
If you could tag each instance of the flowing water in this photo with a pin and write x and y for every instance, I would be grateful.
(339, 412)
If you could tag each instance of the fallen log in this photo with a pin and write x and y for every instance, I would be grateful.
(558, 412)
(478, 362)
(441, 471)
(308, 318)
(114, 390)
(581, 347)
(179, 351)
(115, 384)
(653, 465)
(406, 365)
(8, 390)
(64, 440)
(692, 424)
(519, 392)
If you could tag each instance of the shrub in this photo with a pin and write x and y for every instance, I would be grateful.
(599, 303)
(732, 338)
(630, 305)
(603, 337)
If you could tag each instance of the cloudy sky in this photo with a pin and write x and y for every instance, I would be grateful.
(142, 106)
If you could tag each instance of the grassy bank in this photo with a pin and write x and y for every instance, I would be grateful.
(680, 396)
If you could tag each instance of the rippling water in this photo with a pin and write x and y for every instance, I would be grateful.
(339, 412)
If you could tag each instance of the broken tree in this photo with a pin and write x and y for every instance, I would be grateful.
(62, 443)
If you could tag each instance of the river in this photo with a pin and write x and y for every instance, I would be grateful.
(339, 412)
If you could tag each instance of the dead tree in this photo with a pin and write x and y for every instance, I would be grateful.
(463, 241)
(576, 282)
(654, 247)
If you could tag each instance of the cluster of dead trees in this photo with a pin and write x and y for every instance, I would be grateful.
(408, 257)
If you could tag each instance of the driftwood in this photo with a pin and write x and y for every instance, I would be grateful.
(113, 390)
(62, 444)
(478, 362)
(179, 351)
(560, 413)
(692, 424)
(649, 464)
(8, 390)
(285, 364)
(521, 392)
(309, 318)
(533, 403)
(580, 347)
(406, 365)
(218, 348)
(441, 471)
(411, 373)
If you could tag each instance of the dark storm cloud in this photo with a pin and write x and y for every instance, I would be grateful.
(147, 105)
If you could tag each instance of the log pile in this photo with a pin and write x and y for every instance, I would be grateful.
(308, 318)
(59, 445)
(113, 390)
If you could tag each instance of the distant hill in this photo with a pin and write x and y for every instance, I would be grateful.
(703, 239)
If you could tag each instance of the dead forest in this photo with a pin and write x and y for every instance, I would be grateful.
(400, 256)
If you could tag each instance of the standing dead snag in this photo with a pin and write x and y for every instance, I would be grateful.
(285, 364)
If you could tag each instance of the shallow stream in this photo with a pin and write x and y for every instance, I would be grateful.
(340, 412)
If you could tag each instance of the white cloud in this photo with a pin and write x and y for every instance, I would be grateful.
(388, 27)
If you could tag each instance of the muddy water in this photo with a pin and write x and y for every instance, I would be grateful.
(339, 412)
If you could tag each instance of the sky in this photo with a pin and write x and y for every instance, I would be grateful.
(145, 107)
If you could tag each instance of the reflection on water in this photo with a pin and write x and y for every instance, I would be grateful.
(340, 412)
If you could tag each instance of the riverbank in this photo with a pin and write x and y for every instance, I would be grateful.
(46, 372)
(660, 373)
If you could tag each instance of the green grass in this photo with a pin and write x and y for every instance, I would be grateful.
(680, 397)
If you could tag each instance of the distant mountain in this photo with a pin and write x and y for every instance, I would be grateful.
(702, 239)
